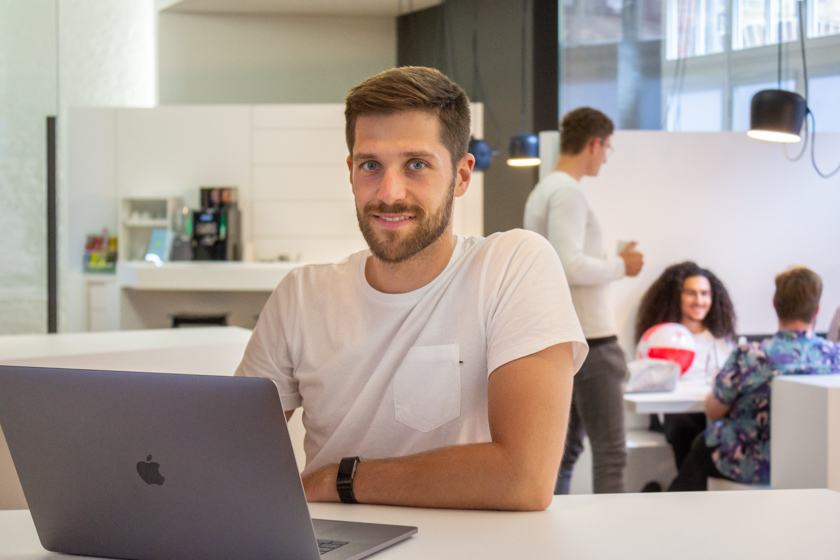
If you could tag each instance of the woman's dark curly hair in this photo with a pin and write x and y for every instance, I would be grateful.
(661, 302)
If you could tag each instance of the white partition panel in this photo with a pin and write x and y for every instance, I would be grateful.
(732, 204)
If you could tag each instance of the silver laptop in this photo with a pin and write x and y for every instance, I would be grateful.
(151, 466)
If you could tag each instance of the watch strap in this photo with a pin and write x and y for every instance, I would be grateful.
(344, 480)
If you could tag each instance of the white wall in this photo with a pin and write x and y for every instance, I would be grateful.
(288, 162)
(732, 204)
(238, 58)
(106, 57)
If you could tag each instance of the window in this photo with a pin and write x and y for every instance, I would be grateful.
(591, 22)
(695, 64)
(825, 18)
(695, 28)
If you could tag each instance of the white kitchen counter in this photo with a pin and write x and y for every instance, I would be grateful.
(220, 276)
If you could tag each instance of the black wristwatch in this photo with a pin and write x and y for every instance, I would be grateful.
(344, 480)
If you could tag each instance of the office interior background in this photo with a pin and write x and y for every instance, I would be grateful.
(682, 67)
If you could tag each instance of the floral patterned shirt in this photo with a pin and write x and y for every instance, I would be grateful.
(741, 439)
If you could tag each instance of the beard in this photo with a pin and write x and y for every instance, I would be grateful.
(397, 246)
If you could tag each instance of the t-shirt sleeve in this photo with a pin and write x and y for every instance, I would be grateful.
(268, 353)
(530, 304)
(567, 212)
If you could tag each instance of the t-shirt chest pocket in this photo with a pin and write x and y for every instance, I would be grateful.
(427, 387)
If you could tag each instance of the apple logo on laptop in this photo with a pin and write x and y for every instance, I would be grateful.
(148, 471)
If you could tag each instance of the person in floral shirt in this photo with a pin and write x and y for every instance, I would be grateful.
(736, 444)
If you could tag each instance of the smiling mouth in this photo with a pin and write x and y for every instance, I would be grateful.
(391, 219)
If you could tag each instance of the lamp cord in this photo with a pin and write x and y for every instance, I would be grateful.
(810, 114)
(523, 92)
(779, 49)
(478, 83)
(820, 172)
(800, 12)
(804, 145)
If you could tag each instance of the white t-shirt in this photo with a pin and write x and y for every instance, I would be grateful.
(710, 354)
(558, 210)
(386, 375)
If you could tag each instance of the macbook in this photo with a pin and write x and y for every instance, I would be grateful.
(166, 466)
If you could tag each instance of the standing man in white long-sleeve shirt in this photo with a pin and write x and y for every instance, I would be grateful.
(557, 208)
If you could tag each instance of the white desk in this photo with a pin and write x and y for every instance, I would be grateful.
(770, 525)
(805, 423)
(688, 396)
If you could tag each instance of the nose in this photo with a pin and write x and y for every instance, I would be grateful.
(391, 187)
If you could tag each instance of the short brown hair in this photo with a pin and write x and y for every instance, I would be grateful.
(797, 297)
(581, 125)
(413, 88)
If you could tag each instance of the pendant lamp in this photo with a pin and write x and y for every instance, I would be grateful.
(776, 115)
(524, 148)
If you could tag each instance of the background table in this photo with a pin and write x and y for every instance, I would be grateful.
(689, 396)
(768, 525)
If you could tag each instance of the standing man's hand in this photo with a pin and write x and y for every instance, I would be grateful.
(633, 259)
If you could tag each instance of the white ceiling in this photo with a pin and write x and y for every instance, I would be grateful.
(299, 7)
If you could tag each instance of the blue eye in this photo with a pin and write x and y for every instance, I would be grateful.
(416, 165)
(370, 166)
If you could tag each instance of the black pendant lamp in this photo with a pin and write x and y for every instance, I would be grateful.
(776, 115)
(524, 148)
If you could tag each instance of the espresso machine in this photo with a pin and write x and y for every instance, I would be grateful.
(216, 226)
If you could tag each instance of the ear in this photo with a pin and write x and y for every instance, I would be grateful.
(463, 174)
(593, 145)
(350, 170)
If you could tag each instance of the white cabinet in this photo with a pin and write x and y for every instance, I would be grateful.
(102, 303)
(138, 217)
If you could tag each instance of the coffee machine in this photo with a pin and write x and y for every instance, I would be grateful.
(216, 226)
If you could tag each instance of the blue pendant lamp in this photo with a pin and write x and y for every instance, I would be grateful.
(524, 148)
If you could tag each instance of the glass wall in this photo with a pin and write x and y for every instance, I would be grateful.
(705, 58)
(28, 94)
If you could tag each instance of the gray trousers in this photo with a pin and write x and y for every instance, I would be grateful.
(598, 411)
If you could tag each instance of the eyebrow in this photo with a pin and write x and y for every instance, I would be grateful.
(419, 154)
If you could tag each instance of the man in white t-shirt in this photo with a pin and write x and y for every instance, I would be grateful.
(433, 370)
(558, 209)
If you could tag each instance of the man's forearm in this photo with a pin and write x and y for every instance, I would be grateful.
(528, 411)
(474, 476)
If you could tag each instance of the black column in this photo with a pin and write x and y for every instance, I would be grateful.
(52, 233)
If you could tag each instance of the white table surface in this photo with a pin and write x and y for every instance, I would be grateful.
(765, 525)
(689, 396)
(41, 348)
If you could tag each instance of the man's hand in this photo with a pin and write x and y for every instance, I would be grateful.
(633, 259)
(320, 485)
(715, 410)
